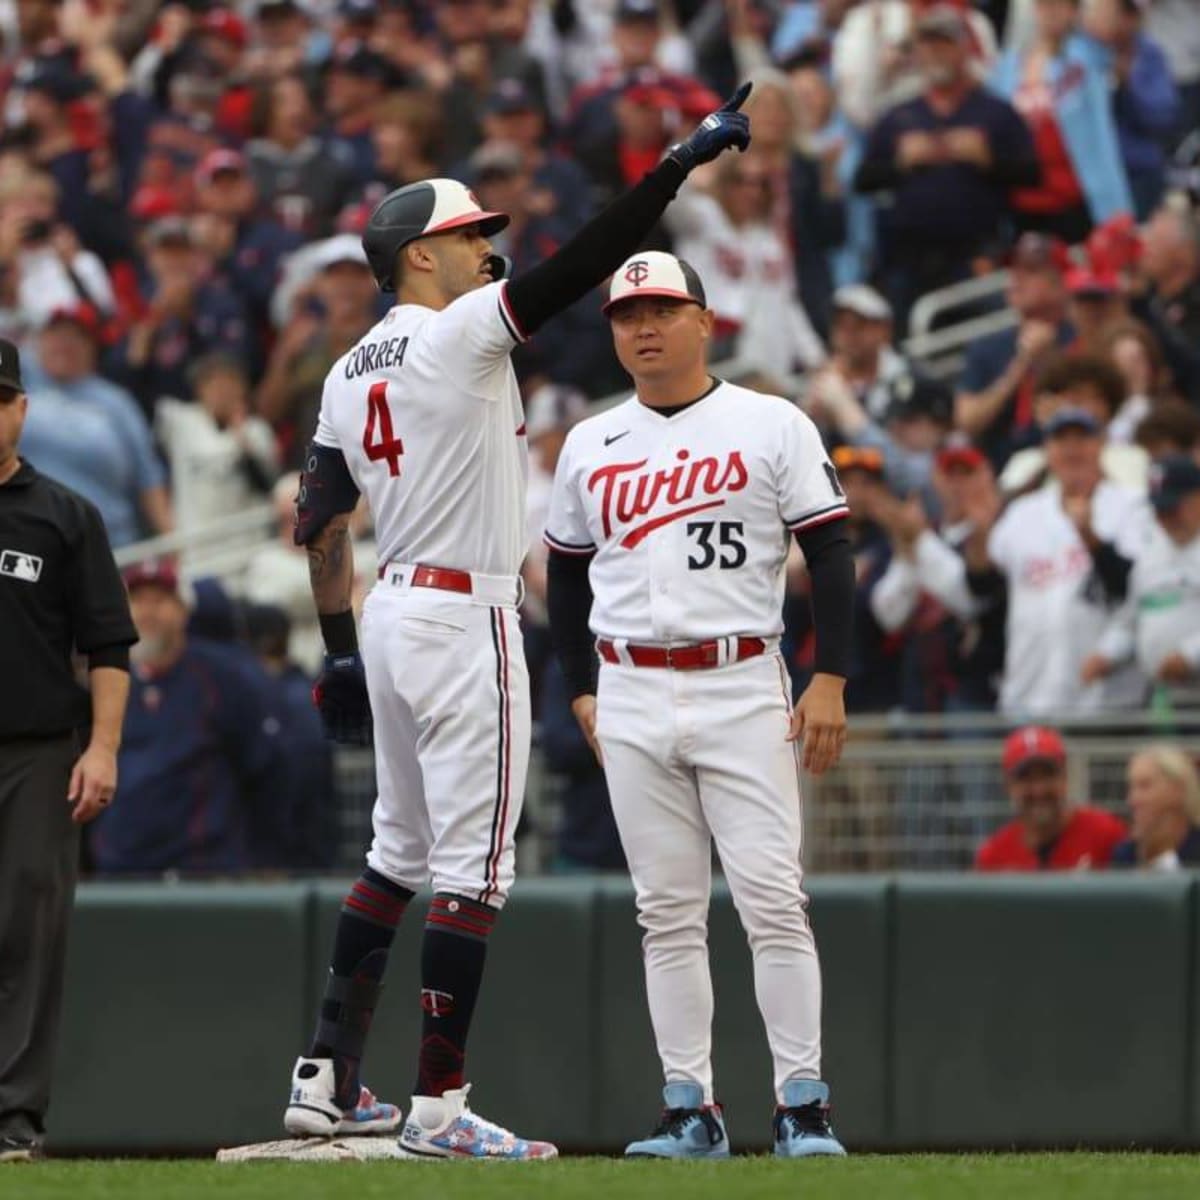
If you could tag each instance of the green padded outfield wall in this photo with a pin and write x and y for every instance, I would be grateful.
(959, 1011)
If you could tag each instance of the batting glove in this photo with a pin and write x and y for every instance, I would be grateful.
(717, 132)
(340, 695)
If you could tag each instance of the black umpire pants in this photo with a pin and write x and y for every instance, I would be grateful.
(39, 862)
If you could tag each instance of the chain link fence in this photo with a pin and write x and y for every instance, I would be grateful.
(910, 794)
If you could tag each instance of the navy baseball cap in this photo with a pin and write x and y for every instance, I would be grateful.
(1172, 480)
(1071, 418)
(636, 10)
(10, 367)
(512, 96)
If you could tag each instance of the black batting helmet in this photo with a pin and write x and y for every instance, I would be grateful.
(417, 210)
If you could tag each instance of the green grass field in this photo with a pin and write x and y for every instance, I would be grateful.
(867, 1177)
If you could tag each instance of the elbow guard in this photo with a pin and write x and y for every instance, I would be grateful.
(326, 490)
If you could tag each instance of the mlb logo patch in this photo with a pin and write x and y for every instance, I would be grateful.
(16, 564)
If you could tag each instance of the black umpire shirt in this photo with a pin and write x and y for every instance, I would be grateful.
(60, 591)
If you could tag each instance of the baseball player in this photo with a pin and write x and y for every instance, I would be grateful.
(669, 525)
(423, 417)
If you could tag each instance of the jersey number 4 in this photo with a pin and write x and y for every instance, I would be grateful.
(379, 439)
(732, 552)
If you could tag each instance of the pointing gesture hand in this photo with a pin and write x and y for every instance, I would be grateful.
(735, 102)
(720, 130)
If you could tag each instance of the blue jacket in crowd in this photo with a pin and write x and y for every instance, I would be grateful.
(1083, 106)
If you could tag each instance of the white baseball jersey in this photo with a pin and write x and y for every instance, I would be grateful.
(1055, 614)
(689, 515)
(1161, 614)
(426, 410)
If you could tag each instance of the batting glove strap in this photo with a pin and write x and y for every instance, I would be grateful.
(717, 132)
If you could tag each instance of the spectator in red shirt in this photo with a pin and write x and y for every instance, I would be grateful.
(1050, 833)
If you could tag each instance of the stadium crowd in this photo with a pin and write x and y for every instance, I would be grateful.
(181, 191)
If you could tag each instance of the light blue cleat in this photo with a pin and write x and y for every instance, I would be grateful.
(689, 1128)
(802, 1121)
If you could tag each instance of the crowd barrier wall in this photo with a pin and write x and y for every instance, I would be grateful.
(959, 1011)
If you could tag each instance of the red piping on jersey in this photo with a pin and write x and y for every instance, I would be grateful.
(824, 519)
(512, 316)
(563, 548)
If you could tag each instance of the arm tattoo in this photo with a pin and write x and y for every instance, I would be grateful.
(331, 568)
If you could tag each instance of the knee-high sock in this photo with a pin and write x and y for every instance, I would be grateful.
(452, 958)
(370, 913)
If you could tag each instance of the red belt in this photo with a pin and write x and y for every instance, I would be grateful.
(446, 579)
(695, 657)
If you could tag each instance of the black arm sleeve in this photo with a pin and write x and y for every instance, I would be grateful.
(595, 252)
(831, 569)
(1112, 569)
(988, 584)
(569, 603)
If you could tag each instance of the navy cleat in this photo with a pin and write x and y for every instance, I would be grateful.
(689, 1128)
(801, 1123)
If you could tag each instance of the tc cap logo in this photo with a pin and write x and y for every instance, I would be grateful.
(637, 272)
(16, 564)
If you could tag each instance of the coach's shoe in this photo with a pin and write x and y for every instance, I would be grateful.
(14, 1148)
(313, 1111)
(442, 1127)
(802, 1122)
(689, 1128)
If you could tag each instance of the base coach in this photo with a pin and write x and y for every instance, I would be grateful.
(60, 593)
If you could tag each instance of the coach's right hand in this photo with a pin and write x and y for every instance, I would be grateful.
(718, 131)
(340, 695)
(584, 708)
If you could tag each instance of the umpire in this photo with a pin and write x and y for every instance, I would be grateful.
(59, 592)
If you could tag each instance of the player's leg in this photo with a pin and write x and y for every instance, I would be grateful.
(750, 792)
(327, 1095)
(669, 849)
(474, 757)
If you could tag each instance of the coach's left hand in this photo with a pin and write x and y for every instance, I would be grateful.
(820, 719)
(93, 783)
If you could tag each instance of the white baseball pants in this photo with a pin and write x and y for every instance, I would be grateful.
(697, 756)
(450, 698)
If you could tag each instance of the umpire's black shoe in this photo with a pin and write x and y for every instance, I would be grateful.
(19, 1149)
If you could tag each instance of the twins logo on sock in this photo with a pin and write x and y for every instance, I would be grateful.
(435, 1003)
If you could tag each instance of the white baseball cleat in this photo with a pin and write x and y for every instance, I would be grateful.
(313, 1111)
(443, 1127)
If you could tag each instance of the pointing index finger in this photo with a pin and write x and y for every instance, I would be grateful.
(738, 98)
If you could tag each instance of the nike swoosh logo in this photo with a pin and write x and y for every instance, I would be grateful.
(614, 437)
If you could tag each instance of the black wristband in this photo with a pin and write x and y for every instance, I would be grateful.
(338, 632)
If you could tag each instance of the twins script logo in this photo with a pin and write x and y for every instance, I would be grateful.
(628, 493)
(637, 272)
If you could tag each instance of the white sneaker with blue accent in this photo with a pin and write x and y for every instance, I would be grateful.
(313, 1110)
(801, 1124)
(689, 1128)
(444, 1127)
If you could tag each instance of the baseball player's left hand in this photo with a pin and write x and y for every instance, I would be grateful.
(93, 782)
(340, 695)
(820, 719)
(717, 132)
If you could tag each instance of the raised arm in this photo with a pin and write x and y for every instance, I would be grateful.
(607, 240)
